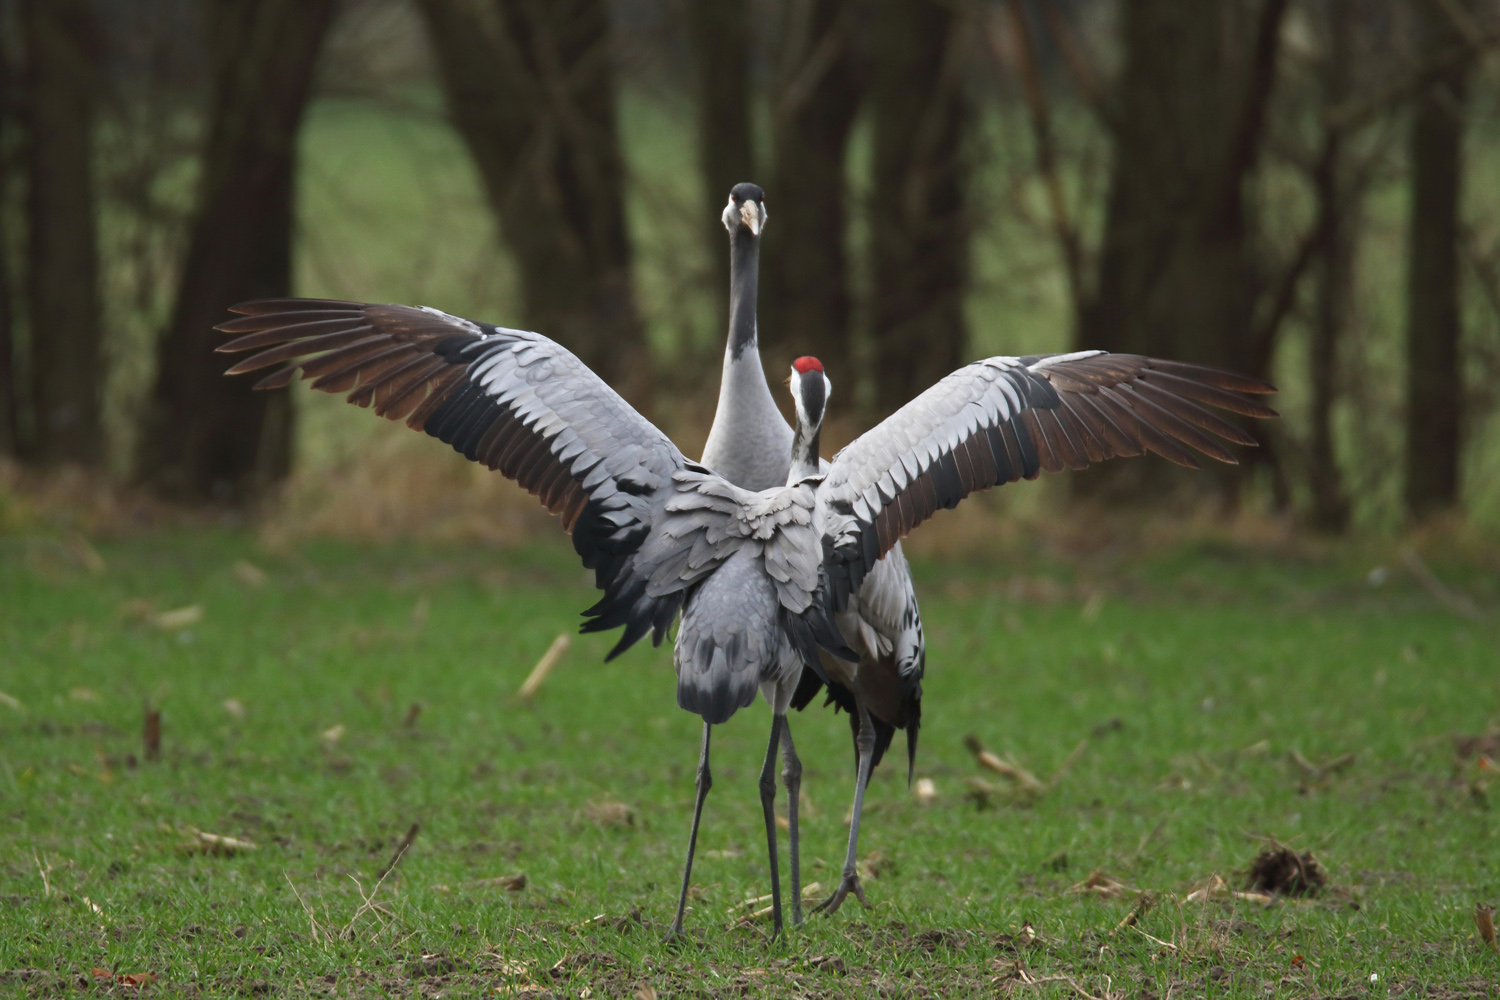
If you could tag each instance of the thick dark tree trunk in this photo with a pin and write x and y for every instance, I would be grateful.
(9, 384)
(920, 236)
(66, 368)
(208, 438)
(1177, 277)
(819, 80)
(721, 47)
(1337, 205)
(531, 88)
(1434, 404)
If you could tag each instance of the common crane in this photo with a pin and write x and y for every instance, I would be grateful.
(758, 577)
(750, 445)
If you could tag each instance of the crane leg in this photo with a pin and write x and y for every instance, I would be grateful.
(791, 776)
(705, 782)
(865, 743)
(768, 806)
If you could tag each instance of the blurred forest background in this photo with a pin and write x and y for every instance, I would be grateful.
(1303, 190)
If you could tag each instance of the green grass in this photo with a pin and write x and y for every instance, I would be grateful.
(1217, 661)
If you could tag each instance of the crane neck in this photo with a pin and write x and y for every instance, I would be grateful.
(804, 453)
(744, 286)
(749, 442)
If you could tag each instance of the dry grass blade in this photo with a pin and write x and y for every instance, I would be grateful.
(318, 934)
(1152, 938)
(1027, 979)
(1067, 764)
(544, 667)
(43, 871)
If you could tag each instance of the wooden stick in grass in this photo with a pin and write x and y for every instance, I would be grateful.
(151, 732)
(1484, 918)
(1015, 772)
(544, 666)
(401, 849)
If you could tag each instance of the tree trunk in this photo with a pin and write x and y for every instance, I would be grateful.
(67, 373)
(920, 237)
(531, 88)
(9, 384)
(1177, 277)
(820, 79)
(1434, 387)
(1337, 203)
(208, 438)
(720, 34)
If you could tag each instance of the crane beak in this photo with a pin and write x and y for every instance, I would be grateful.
(752, 216)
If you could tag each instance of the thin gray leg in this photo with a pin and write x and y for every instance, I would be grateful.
(865, 742)
(791, 776)
(705, 782)
(768, 806)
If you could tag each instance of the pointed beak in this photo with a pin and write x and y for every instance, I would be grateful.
(751, 216)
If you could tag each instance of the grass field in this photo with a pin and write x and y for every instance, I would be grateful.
(326, 697)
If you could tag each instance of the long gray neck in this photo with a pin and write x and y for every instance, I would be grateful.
(744, 286)
(749, 443)
(804, 454)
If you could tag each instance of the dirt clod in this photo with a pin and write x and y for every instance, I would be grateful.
(1283, 871)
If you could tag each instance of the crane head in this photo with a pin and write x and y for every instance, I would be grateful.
(810, 392)
(747, 207)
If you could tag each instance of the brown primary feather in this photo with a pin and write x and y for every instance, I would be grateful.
(261, 307)
(259, 331)
(1201, 392)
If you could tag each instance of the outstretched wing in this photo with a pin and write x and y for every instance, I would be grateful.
(514, 401)
(1003, 419)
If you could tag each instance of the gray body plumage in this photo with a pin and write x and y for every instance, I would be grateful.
(750, 444)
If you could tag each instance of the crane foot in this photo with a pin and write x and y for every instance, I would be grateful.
(849, 884)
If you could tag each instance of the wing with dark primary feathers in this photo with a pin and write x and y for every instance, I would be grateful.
(514, 401)
(1003, 419)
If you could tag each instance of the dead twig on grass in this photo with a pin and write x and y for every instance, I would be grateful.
(1484, 919)
(1026, 782)
(1143, 903)
(1067, 764)
(510, 883)
(1317, 772)
(202, 842)
(1027, 979)
(151, 732)
(401, 849)
(1458, 603)
(1007, 767)
(544, 667)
